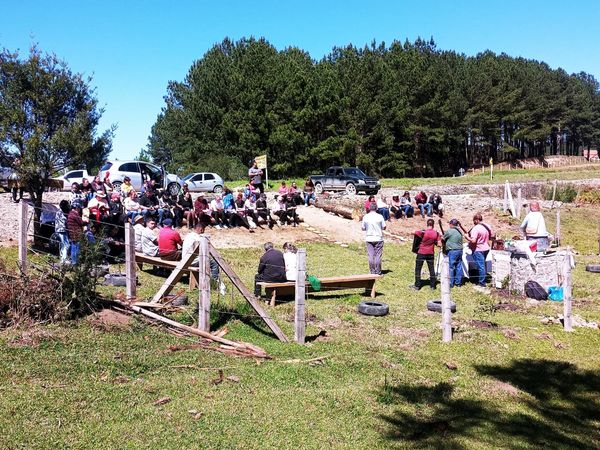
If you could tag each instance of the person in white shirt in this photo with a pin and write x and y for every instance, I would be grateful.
(138, 229)
(534, 227)
(149, 239)
(373, 224)
(291, 261)
(189, 247)
(217, 208)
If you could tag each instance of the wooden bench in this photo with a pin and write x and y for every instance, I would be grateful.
(140, 259)
(288, 288)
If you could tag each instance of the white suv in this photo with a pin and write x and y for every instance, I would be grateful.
(139, 172)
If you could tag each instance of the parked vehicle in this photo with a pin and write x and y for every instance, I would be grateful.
(74, 176)
(139, 172)
(349, 179)
(204, 182)
(5, 173)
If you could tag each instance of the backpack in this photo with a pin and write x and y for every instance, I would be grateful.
(417, 242)
(535, 291)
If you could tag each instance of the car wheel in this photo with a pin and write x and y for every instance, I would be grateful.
(218, 189)
(117, 186)
(173, 188)
(350, 189)
(319, 188)
(373, 308)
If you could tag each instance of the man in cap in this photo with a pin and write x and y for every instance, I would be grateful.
(169, 242)
(373, 224)
(453, 246)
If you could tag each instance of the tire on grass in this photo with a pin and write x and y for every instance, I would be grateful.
(436, 306)
(594, 268)
(373, 308)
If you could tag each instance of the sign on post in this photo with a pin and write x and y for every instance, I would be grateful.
(261, 162)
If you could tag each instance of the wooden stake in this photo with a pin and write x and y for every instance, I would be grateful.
(130, 266)
(553, 194)
(519, 203)
(23, 225)
(204, 274)
(505, 205)
(557, 237)
(446, 312)
(299, 316)
(511, 203)
(567, 292)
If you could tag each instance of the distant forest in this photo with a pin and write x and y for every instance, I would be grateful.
(408, 109)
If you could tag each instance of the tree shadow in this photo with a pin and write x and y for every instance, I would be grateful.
(553, 404)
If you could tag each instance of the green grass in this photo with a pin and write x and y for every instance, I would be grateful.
(384, 384)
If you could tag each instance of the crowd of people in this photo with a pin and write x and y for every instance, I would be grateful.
(402, 207)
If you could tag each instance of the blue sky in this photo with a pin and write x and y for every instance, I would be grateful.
(133, 48)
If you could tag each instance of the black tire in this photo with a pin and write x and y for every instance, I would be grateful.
(318, 188)
(350, 189)
(218, 189)
(594, 268)
(436, 306)
(373, 308)
(117, 186)
(173, 188)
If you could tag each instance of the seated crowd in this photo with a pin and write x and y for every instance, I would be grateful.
(401, 206)
(95, 210)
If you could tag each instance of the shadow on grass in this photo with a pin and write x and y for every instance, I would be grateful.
(220, 316)
(558, 407)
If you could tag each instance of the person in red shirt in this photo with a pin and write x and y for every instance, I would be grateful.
(169, 242)
(426, 253)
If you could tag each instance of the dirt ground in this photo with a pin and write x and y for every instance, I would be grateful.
(317, 226)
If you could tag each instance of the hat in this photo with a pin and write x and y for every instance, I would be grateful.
(453, 222)
(373, 207)
(138, 219)
(167, 222)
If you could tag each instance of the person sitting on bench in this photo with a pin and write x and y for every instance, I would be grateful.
(271, 268)
(169, 242)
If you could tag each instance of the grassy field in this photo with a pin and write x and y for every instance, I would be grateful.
(386, 382)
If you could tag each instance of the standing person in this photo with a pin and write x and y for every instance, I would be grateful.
(453, 244)
(426, 253)
(75, 229)
(479, 237)
(169, 242)
(255, 175)
(270, 268)
(534, 227)
(373, 224)
(60, 227)
(17, 186)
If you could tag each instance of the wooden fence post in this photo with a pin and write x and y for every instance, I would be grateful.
(567, 292)
(519, 203)
(505, 204)
(557, 237)
(299, 315)
(553, 193)
(446, 312)
(204, 286)
(130, 266)
(23, 226)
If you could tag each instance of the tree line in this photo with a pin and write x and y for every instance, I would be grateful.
(401, 110)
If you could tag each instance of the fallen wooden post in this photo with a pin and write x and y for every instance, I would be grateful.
(341, 210)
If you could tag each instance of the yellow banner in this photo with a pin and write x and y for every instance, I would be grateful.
(261, 161)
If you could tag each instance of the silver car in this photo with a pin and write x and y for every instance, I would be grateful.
(139, 172)
(204, 182)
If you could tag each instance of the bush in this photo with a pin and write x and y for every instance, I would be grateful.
(566, 193)
(589, 195)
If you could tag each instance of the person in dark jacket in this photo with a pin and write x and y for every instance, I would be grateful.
(75, 229)
(271, 267)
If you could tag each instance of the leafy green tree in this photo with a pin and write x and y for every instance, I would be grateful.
(48, 119)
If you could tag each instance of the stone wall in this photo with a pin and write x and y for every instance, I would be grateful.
(547, 272)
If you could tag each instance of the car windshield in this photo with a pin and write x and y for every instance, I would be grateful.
(187, 177)
(355, 172)
(106, 166)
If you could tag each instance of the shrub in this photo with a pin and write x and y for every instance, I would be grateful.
(565, 193)
(589, 195)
